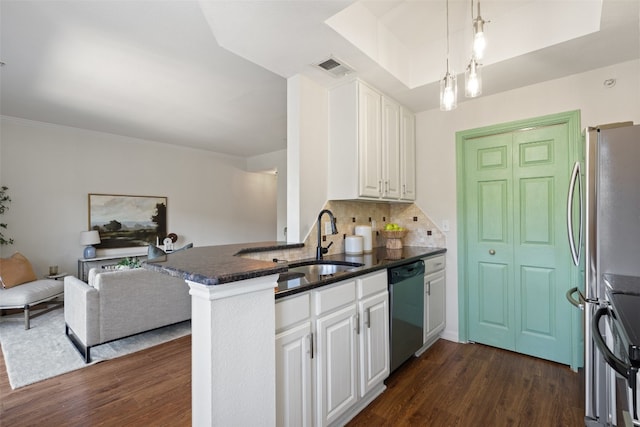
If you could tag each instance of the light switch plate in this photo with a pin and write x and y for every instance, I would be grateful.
(445, 225)
(327, 227)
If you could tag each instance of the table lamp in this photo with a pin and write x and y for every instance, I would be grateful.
(89, 238)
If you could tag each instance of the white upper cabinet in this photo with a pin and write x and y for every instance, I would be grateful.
(390, 178)
(370, 135)
(407, 155)
(371, 145)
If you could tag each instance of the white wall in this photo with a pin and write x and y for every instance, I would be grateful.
(307, 154)
(277, 161)
(50, 170)
(436, 144)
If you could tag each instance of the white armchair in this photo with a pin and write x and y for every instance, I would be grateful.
(21, 289)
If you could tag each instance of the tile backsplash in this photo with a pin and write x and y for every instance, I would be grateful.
(349, 213)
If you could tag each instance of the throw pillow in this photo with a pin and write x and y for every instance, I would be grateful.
(15, 271)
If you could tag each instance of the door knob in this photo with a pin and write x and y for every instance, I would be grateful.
(492, 252)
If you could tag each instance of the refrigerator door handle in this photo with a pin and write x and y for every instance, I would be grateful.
(575, 302)
(575, 178)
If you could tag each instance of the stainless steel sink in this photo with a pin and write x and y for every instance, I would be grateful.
(290, 275)
(318, 269)
(324, 262)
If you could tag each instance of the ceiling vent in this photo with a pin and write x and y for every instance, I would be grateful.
(335, 67)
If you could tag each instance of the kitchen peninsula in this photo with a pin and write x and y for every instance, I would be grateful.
(233, 323)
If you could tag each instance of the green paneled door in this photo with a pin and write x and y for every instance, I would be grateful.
(518, 266)
(490, 238)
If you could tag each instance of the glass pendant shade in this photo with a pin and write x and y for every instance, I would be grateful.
(473, 79)
(479, 42)
(448, 92)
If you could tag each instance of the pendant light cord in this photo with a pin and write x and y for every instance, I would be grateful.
(447, 36)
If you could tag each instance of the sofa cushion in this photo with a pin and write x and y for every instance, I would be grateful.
(16, 270)
(31, 292)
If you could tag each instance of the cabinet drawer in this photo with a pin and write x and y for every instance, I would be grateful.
(290, 311)
(372, 284)
(434, 263)
(336, 296)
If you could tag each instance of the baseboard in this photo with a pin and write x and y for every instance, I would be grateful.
(358, 407)
(450, 336)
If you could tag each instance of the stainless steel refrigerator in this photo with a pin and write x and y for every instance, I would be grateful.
(603, 217)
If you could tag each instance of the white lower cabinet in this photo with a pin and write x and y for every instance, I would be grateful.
(434, 299)
(337, 364)
(374, 341)
(332, 349)
(294, 347)
(293, 374)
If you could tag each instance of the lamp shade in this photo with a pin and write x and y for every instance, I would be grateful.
(448, 92)
(473, 79)
(89, 237)
(479, 41)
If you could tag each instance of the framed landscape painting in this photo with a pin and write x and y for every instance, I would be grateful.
(127, 221)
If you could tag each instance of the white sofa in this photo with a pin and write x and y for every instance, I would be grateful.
(119, 303)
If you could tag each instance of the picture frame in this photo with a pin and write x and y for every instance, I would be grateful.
(125, 221)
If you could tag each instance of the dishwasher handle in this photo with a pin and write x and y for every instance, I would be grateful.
(403, 272)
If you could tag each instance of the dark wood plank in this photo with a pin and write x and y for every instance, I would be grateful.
(474, 385)
(450, 385)
(150, 387)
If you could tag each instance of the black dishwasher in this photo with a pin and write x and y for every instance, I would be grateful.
(406, 294)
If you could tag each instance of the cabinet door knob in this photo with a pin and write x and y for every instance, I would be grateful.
(492, 252)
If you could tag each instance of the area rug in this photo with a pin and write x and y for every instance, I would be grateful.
(44, 351)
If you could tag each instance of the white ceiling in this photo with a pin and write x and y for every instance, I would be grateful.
(147, 69)
(211, 74)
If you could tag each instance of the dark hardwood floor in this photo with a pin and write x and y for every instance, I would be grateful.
(450, 385)
(147, 388)
(475, 385)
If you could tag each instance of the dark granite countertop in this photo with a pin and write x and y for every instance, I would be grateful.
(381, 258)
(216, 265)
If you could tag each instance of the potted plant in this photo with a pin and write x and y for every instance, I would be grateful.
(128, 263)
(4, 204)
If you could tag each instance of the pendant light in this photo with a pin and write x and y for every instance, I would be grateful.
(449, 84)
(473, 79)
(479, 42)
(472, 75)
